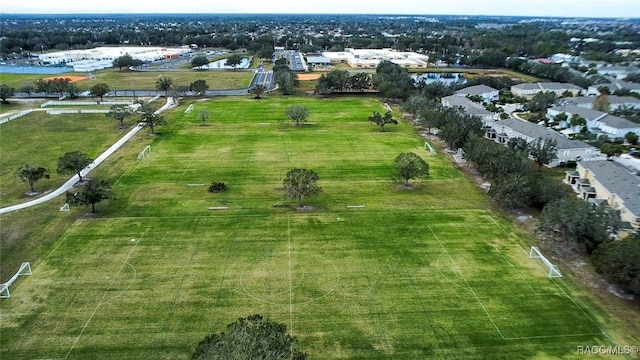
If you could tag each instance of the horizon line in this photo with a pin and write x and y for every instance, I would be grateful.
(332, 14)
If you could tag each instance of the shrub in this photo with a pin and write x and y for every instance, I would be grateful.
(217, 187)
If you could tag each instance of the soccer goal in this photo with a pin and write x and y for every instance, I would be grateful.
(25, 269)
(65, 207)
(144, 152)
(553, 269)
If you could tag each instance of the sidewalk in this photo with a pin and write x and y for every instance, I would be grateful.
(74, 179)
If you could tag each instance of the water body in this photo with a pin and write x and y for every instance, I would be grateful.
(446, 78)
(45, 70)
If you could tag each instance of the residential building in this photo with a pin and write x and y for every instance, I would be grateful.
(619, 72)
(615, 102)
(487, 93)
(598, 122)
(528, 90)
(610, 184)
(469, 107)
(615, 86)
(568, 150)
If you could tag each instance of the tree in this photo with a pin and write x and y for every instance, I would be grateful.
(393, 81)
(631, 138)
(360, 82)
(382, 120)
(151, 119)
(602, 103)
(73, 161)
(234, 60)
(126, 61)
(577, 121)
(31, 174)
(619, 262)
(578, 222)
(199, 87)
(100, 90)
(257, 91)
(410, 166)
(27, 89)
(519, 146)
(119, 113)
(6, 92)
(562, 117)
(300, 184)
(543, 151)
(416, 103)
(93, 192)
(612, 150)
(199, 60)
(541, 101)
(297, 113)
(286, 79)
(164, 83)
(458, 128)
(253, 337)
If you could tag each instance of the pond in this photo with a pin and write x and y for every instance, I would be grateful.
(446, 78)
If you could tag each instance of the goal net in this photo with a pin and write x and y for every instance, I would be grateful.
(65, 207)
(25, 269)
(145, 151)
(535, 253)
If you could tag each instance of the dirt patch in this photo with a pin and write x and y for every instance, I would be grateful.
(308, 77)
(71, 78)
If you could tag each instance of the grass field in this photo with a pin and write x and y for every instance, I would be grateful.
(58, 134)
(143, 80)
(431, 272)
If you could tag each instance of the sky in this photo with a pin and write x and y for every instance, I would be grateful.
(564, 8)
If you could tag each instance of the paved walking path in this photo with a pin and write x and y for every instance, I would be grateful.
(102, 157)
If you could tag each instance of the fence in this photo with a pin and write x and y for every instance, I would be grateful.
(15, 116)
(84, 103)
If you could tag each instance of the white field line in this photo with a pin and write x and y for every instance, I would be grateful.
(375, 305)
(562, 292)
(290, 276)
(467, 283)
(126, 262)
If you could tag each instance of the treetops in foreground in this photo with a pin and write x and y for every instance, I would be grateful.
(253, 337)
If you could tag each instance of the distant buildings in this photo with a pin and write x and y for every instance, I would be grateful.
(487, 93)
(615, 102)
(370, 58)
(598, 122)
(102, 57)
(529, 90)
(469, 107)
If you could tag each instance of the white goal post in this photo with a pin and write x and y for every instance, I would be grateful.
(25, 269)
(65, 207)
(535, 253)
(144, 152)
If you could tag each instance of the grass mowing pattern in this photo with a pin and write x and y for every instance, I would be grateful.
(426, 273)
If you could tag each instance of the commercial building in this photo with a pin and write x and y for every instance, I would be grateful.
(370, 58)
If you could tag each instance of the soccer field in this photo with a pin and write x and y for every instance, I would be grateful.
(425, 273)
